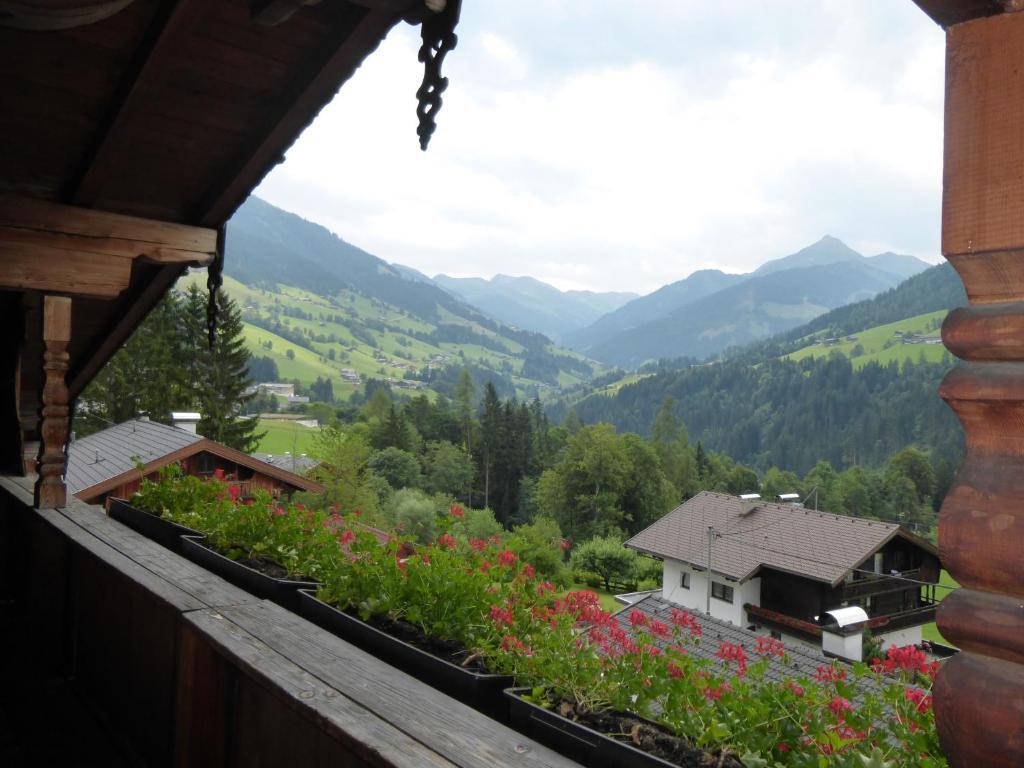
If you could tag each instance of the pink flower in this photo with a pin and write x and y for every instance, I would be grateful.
(346, 538)
(545, 586)
(638, 618)
(839, 706)
(501, 616)
(234, 491)
(659, 628)
(528, 571)
(218, 473)
(564, 544)
(446, 541)
(279, 512)
(507, 558)
(674, 671)
(457, 511)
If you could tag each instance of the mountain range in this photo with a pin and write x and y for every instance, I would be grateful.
(528, 303)
(710, 311)
(698, 317)
(338, 309)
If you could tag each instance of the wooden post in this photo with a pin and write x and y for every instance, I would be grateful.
(979, 694)
(50, 492)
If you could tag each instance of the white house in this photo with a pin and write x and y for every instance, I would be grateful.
(779, 568)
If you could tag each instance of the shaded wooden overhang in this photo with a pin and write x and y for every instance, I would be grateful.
(131, 131)
(946, 13)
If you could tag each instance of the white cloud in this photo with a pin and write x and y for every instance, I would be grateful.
(613, 167)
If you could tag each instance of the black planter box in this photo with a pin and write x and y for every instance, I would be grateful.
(577, 742)
(159, 529)
(284, 592)
(480, 690)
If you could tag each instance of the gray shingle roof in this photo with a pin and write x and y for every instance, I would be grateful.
(297, 464)
(115, 450)
(798, 663)
(818, 545)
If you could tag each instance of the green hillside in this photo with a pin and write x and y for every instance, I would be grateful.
(915, 338)
(310, 336)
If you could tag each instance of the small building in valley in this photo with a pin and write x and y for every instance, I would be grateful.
(779, 568)
(106, 464)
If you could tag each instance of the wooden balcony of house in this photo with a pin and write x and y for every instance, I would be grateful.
(921, 613)
(171, 665)
(880, 584)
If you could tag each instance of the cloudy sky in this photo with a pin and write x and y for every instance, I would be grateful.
(621, 146)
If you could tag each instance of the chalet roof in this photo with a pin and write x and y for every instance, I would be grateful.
(800, 663)
(817, 545)
(104, 460)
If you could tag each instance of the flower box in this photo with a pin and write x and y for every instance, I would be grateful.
(161, 530)
(284, 592)
(593, 748)
(481, 690)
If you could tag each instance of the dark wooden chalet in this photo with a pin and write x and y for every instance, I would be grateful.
(130, 130)
(106, 464)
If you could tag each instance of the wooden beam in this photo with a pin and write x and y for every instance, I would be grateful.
(60, 270)
(310, 92)
(141, 82)
(50, 492)
(159, 241)
(65, 249)
(983, 186)
(979, 694)
(946, 13)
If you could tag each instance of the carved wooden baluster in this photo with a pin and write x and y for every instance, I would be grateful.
(979, 695)
(50, 490)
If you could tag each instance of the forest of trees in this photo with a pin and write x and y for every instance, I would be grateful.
(506, 460)
(793, 414)
(168, 365)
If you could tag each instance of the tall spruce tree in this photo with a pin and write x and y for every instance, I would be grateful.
(220, 375)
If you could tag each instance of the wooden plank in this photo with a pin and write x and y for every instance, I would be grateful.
(946, 13)
(116, 233)
(203, 588)
(143, 78)
(58, 270)
(983, 187)
(300, 103)
(359, 729)
(419, 710)
(16, 239)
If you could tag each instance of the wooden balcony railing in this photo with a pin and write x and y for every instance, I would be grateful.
(192, 671)
(880, 584)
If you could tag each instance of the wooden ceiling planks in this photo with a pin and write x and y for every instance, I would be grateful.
(171, 110)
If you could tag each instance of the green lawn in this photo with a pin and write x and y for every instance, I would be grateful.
(285, 436)
(930, 631)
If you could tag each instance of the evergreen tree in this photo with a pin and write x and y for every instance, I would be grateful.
(144, 377)
(220, 376)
